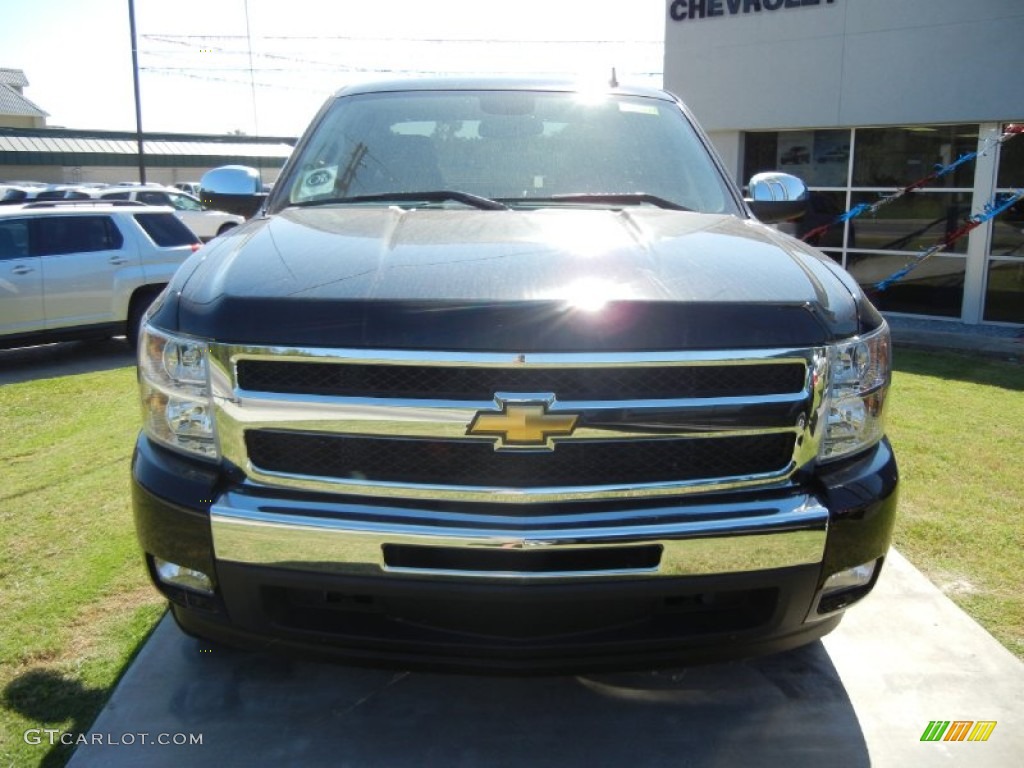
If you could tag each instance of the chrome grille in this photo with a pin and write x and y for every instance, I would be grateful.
(394, 423)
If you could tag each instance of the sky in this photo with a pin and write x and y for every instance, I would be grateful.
(201, 71)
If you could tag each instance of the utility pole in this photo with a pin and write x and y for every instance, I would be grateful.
(252, 87)
(138, 102)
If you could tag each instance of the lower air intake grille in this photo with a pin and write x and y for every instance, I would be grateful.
(473, 463)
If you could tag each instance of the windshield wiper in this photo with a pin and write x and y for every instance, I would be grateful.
(610, 198)
(433, 196)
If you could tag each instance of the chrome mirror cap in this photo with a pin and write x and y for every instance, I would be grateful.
(776, 196)
(232, 180)
(234, 189)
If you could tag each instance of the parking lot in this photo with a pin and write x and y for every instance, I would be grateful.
(48, 360)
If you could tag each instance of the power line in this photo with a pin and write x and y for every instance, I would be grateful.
(333, 65)
(214, 79)
(163, 37)
(269, 64)
(188, 73)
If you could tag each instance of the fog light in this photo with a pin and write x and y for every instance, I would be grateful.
(175, 575)
(851, 578)
(846, 587)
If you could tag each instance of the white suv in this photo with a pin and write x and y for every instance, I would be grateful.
(205, 223)
(84, 269)
(188, 187)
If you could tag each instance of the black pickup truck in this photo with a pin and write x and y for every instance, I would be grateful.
(508, 375)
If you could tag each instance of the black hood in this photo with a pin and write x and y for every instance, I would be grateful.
(546, 280)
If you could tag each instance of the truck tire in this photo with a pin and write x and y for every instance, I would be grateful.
(136, 309)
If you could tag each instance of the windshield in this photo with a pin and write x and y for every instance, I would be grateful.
(519, 147)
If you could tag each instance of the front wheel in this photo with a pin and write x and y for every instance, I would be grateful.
(225, 227)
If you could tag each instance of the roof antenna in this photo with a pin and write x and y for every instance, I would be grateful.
(614, 82)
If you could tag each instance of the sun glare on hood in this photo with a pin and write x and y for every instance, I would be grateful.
(591, 295)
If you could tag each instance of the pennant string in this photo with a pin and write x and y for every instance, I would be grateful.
(992, 209)
(1012, 130)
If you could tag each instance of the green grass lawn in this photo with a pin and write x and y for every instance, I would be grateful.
(75, 603)
(957, 423)
(74, 599)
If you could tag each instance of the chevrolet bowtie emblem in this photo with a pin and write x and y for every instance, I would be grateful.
(523, 425)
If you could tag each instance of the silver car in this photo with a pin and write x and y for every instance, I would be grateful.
(84, 269)
(205, 223)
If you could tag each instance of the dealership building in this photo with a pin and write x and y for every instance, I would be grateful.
(861, 99)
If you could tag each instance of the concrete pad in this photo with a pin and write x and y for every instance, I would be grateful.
(1006, 342)
(862, 697)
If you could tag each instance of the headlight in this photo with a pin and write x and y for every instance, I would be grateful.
(859, 374)
(174, 383)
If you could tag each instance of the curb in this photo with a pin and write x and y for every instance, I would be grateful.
(989, 346)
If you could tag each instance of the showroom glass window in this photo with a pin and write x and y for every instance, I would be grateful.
(1004, 286)
(822, 160)
(844, 168)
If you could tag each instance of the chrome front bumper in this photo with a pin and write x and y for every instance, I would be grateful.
(691, 540)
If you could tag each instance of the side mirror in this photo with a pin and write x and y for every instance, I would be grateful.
(777, 196)
(232, 188)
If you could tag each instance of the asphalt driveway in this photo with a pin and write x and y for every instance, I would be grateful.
(47, 361)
